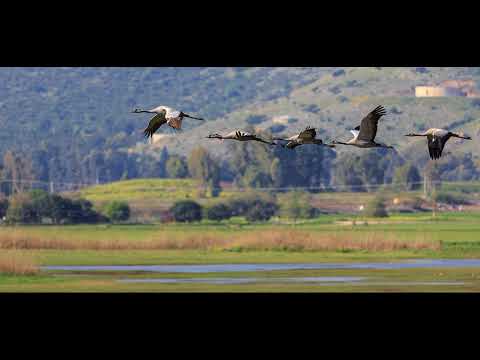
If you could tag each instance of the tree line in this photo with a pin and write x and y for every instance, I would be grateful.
(246, 165)
(38, 206)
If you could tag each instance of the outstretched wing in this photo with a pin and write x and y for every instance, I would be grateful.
(155, 122)
(435, 146)
(368, 126)
(308, 134)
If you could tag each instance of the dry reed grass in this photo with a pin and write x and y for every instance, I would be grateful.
(15, 263)
(298, 240)
(311, 241)
(289, 240)
(165, 240)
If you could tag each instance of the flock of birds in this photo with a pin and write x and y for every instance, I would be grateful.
(363, 135)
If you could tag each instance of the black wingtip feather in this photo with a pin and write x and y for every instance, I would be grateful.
(147, 133)
(435, 153)
(380, 110)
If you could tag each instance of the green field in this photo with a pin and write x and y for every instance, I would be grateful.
(147, 198)
(139, 189)
(458, 234)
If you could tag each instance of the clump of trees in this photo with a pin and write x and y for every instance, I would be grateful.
(203, 167)
(376, 207)
(458, 167)
(407, 177)
(254, 207)
(296, 205)
(176, 167)
(452, 198)
(117, 211)
(37, 205)
(18, 169)
(261, 211)
(3, 206)
(376, 166)
(186, 211)
(253, 165)
(20, 210)
(218, 212)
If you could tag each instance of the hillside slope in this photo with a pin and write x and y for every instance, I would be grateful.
(336, 103)
(37, 102)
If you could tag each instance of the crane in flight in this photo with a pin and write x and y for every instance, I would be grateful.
(164, 115)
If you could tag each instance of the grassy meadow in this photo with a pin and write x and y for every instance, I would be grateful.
(149, 198)
(329, 238)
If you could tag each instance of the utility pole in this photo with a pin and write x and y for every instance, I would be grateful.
(51, 187)
(434, 198)
(424, 184)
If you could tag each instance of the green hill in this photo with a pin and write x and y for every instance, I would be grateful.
(65, 119)
(75, 123)
(141, 189)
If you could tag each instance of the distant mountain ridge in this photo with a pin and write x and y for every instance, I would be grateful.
(336, 102)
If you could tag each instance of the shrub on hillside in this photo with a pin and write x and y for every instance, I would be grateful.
(335, 90)
(476, 102)
(186, 211)
(256, 119)
(338, 72)
(312, 108)
(421, 70)
(117, 211)
(277, 128)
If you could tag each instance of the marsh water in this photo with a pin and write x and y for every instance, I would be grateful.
(350, 280)
(214, 268)
(250, 280)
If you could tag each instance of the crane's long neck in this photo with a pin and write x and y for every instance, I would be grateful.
(192, 117)
(342, 143)
(143, 111)
(264, 141)
(216, 136)
(461, 137)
